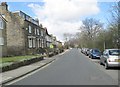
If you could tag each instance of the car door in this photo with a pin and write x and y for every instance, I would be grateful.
(90, 53)
(103, 58)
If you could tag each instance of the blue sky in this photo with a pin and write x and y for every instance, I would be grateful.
(33, 9)
(23, 6)
(16, 6)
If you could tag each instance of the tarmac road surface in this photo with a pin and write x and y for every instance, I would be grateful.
(72, 68)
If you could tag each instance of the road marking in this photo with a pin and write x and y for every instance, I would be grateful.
(31, 73)
(5, 78)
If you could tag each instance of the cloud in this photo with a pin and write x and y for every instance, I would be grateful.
(63, 16)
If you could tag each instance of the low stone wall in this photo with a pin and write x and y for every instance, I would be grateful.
(26, 62)
(21, 63)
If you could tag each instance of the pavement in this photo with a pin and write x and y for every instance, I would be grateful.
(11, 75)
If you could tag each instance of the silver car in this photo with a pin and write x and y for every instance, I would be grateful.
(110, 58)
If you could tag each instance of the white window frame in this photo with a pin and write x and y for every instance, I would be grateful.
(1, 23)
(30, 29)
(38, 43)
(42, 43)
(1, 41)
(41, 33)
(30, 42)
(38, 32)
(35, 31)
(27, 17)
(34, 44)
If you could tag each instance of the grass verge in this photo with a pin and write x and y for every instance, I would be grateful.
(8, 60)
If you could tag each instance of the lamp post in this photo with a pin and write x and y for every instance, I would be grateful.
(104, 41)
(104, 45)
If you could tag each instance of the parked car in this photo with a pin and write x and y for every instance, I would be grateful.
(110, 58)
(83, 50)
(90, 53)
(94, 53)
(87, 52)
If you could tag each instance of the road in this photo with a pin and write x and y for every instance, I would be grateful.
(71, 68)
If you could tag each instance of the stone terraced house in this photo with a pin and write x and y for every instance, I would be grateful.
(3, 42)
(24, 34)
(48, 39)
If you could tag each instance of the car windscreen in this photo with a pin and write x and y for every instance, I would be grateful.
(114, 52)
(96, 51)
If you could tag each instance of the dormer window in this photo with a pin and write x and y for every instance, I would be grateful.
(27, 17)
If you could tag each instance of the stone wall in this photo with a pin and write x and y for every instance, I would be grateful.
(3, 48)
(14, 32)
(32, 50)
(15, 35)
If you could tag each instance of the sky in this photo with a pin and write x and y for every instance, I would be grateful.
(64, 16)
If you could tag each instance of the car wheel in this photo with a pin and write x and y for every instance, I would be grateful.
(101, 63)
(106, 65)
(91, 57)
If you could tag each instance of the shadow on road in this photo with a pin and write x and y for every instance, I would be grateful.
(114, 68)
(111, 68)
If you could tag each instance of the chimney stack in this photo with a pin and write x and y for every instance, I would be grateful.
(4, 4)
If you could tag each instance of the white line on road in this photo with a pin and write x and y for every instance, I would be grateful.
(14, 81)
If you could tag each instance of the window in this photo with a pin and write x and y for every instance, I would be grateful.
(114, 52)
(42, 43)
(1, 41)
(35, 31)
(22, 15)
(30, 42)
(38, 32)
(105, 53)
(30, 29)
(34, 43)
(27, 17)
(41, 33)
(1, 23)
(38, 43)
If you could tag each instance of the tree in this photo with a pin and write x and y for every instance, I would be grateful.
(89, 31)
(114, 25)
(67, 37)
